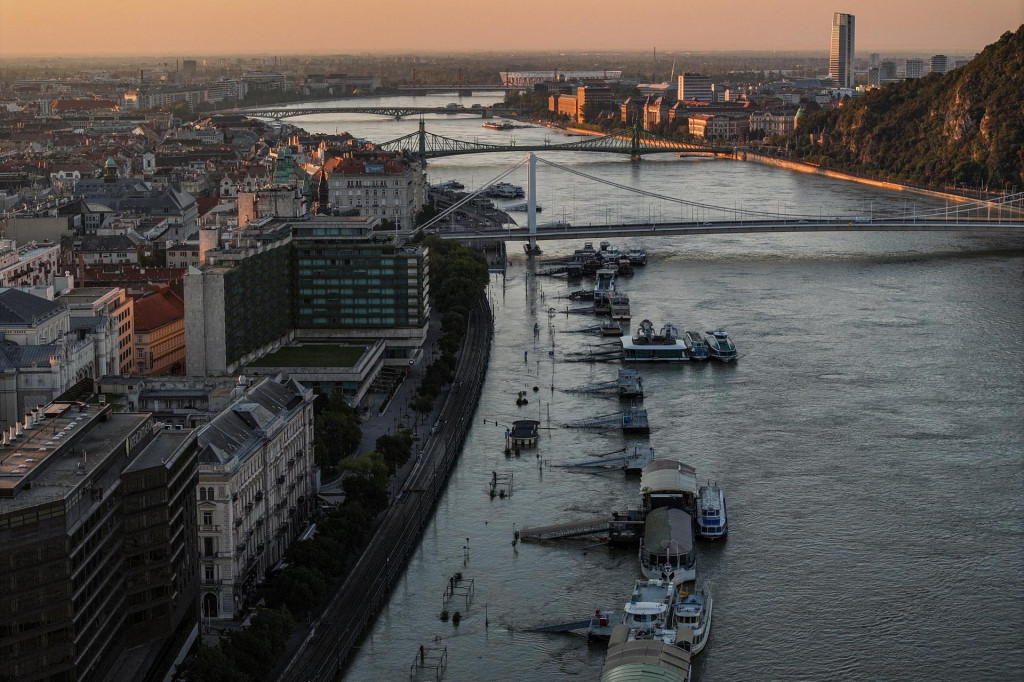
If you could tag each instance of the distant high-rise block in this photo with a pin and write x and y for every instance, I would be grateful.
(887, 71)
(840, 59)
(960, 62)
(874, 59)
(940, 63)
(915, 68)
(694, 87)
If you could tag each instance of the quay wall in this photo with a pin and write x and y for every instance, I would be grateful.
(801, 167)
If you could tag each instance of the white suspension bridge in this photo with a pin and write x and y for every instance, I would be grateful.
(1001, 214)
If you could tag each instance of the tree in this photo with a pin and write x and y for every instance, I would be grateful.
(394, 450)
(298, 588)
(366, 491)
(210, 664)
(424, 404)
(338, 435)
(322, 552)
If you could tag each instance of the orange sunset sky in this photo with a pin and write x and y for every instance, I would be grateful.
(207, 27)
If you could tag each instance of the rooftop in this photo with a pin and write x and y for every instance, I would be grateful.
(312, 356)
(43, 463)
(160, 449)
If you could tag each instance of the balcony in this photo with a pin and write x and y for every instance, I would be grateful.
(291, 463)
(280, 479)
(204, 528)
(258, 496)
(212, 582)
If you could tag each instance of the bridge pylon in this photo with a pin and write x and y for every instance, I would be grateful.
(634, 151)
(423, 141)
(531, 205)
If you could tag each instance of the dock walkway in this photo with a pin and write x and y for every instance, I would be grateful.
(571, 529)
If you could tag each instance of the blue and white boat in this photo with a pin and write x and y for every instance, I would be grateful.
(711, 520)
(693, 611)
(720, 346)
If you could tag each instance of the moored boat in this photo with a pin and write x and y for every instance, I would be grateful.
(637, 256)
(668, 483)
(696, 347)
(720, 346)
(604, 287)
(618, 304)
(647, 346)
(449, 185)
(498, 125)
(711, 519)
(693, 610)
(630, 385)
(610, 328)
(667, 549)
(504, 190)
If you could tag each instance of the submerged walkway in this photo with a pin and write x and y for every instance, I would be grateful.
(363, 593)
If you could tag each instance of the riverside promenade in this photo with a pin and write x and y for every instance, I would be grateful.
(352, 608)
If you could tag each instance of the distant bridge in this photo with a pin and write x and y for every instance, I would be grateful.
(567, 231)
(394, 111)
(634, 141)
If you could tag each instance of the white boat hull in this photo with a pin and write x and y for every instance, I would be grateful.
(673, 575)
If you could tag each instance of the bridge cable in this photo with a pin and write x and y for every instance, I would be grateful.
(469, 197)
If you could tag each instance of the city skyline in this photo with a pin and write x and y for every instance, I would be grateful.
(122, 28)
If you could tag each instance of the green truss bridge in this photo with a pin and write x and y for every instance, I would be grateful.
(633, 141)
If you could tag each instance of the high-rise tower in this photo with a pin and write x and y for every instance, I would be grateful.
(840, 62)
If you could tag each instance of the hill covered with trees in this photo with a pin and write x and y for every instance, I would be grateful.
(964, 127)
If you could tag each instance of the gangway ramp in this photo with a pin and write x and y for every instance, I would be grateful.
(604, 421)
(572, 529)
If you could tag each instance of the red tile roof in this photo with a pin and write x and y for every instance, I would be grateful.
(157, 310)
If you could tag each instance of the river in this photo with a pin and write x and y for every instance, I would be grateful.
(868, 440)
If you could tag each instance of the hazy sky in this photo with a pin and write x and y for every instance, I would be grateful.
(205, 27)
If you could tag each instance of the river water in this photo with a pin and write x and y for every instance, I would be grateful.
(868, 440)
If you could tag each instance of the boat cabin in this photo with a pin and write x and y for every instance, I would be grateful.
(524, 433)
(668, 483)
(667, 550)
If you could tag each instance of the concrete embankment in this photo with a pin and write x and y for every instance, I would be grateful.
(800, 167)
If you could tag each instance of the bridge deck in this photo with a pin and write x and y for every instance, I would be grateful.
(738, 227)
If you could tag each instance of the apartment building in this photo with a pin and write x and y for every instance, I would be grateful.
(256, 490)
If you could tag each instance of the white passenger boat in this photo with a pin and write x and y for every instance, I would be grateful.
(711, 520)
(498, 125)
(696, 347)
(637, 256)
(667, 550)
(693, 610)
(649, 607)
(504, 190)
(720, 346)
(647, 346)
(618, 305)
